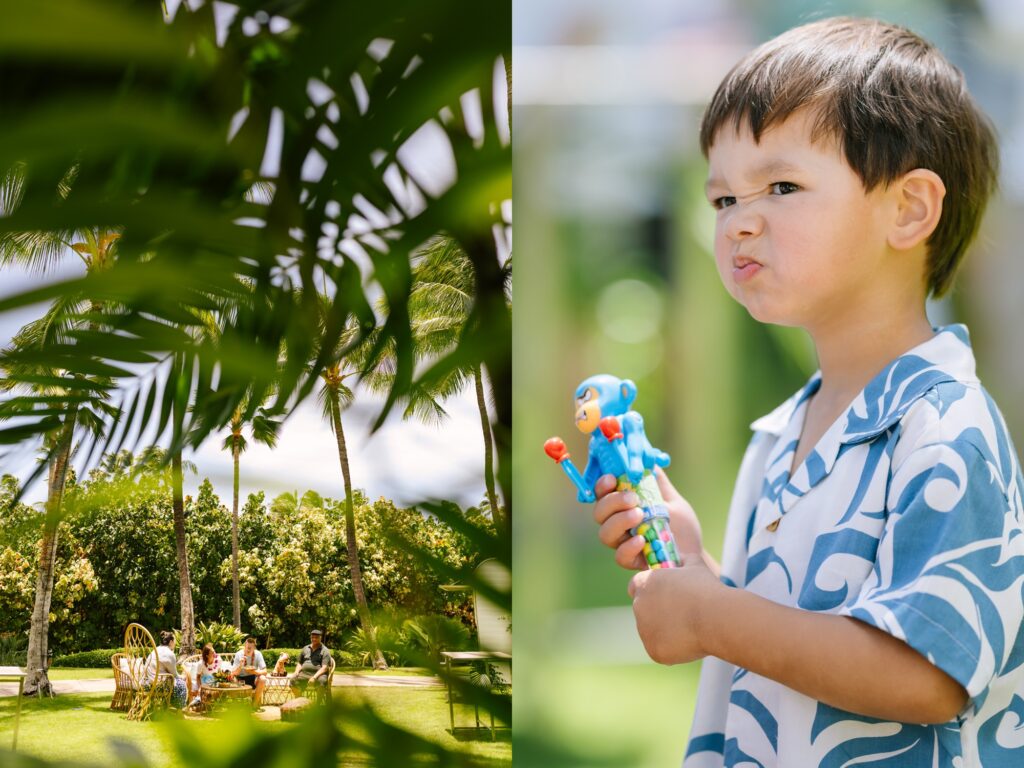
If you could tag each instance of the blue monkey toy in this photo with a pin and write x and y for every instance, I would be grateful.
(619, 446)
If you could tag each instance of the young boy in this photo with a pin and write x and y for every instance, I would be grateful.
(868, 607)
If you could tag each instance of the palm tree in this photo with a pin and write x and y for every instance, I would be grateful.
(335, 396)
(188, 619)
(41, 251)
(203, 326)
(264, 430)
(440, 304)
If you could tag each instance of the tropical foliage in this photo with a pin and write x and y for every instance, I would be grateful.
(116, 563)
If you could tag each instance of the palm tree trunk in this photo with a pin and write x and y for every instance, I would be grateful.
(496, 316)
(351, 545)
(188, 631)
(485, 425)
(235, 600)
(508, 83)
(38, 639)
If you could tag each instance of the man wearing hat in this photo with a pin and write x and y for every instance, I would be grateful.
(312, 665)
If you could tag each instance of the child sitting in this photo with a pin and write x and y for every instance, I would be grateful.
(204, 671)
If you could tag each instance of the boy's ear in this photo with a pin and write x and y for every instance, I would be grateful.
(919, 195)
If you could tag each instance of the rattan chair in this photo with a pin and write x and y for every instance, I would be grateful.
(322, 693)
(147, 695)
(123, 691)
(187, 666)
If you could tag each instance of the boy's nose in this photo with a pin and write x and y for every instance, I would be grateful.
(743, 221)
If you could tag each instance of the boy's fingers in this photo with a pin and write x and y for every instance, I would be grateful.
(629, 551)
(605, 485)
(693, 558)
(668, 491)
(637, 582)
(616, 528)
(612, 503)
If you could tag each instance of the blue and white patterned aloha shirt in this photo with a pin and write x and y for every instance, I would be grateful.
(907, 515)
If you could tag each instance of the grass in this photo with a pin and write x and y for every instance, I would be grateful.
(610, 715)
(80, 673)
(82, 727)
(425, 712)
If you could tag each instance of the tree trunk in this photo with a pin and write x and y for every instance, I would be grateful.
(188, 631)
(235, 600)
(495, 315)
(351, 545)
(485, 425)
(39, 632)
(508, 83)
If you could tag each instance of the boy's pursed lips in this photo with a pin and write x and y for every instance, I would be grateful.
(739, 262)
(744, 268)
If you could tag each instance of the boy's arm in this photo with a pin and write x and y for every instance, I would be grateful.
(684, 614)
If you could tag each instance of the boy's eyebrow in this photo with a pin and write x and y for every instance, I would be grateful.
(769, 168)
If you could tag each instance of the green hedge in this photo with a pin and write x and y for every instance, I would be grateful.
(101, 658)
(270, 656)
(96, 659)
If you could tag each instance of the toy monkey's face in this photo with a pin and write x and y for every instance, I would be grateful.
(588, 411)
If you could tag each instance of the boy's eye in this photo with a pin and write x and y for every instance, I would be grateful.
(722, 202)
(783, 188)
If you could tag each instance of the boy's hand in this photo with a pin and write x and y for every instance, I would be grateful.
(668, 605)
(616, 512)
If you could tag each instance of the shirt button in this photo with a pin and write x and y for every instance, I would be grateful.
(773, 525)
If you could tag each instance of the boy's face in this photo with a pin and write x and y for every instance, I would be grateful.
(798, 242)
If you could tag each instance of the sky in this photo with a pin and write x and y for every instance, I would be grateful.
(404, 461)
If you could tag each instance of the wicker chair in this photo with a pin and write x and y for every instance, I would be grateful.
(322, 693)
(123, 691)
(147, 695)
(187, 666)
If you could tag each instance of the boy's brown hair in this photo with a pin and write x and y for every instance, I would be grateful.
(890, 100)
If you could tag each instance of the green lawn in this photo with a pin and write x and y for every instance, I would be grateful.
(606, 716)
(82, 727)
(80, 673)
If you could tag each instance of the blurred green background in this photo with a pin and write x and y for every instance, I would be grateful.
(614, 274)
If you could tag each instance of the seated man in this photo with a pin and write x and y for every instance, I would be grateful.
(313, 664)
(249, 668)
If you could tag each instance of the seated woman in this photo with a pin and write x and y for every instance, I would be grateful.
(165, 664)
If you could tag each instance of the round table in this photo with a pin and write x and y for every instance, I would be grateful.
(216, 695)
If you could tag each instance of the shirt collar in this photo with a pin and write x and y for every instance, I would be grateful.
(946, 356)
